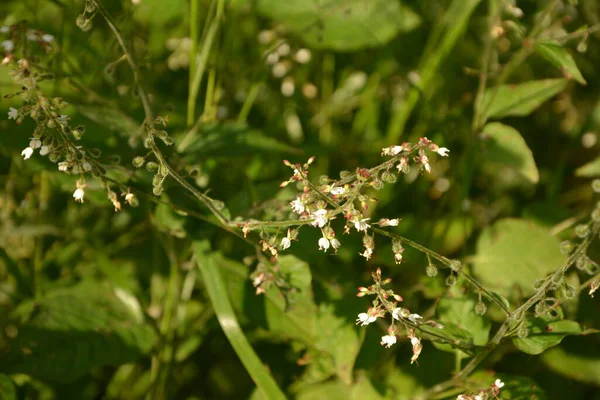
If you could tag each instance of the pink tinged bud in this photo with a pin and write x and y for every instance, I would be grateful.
(398, 298)
(310, 160)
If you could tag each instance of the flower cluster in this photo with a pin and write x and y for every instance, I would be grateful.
(19, 33)
(492, 393)
(402, 320)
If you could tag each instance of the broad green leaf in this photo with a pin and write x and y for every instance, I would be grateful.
(515, 252)
(65, 334)
(519, 100)
(217, 293)
(544, 334)
(573, 366)
(505, 145)
(7, 388)
(167, 221)
(589, 170)
(233, 140)
(560, 57)
(515, 387)
(461, 322)
(342, 25)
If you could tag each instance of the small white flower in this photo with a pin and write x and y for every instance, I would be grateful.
(4, 29)
(367, 253)
(47, 38)
(297, 206)
(478, 397)
(335, 243)
(79, 194)
(442, 151)
(303, 56)
(13, 113)
(461, 397)
(44, 150)
(87, 166)
(365, 319)
(395, 150)
(361, 225)
(498, 383)
(324, 244)
(285, 242)
(63, 119)
(63, 166)
(388, 340)
(393, 222)
(320, 217)
(414, 317)
(427, 167)
(395, 313)
(8, 46)
(336, 191)
(35, 143)
(129, 198)
(415, 341)
(26, 153)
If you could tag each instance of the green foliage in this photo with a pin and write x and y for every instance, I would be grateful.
(544, 334)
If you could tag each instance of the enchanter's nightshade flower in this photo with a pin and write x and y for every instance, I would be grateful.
(26, 153)
(324, 244)
(417, 347)
(44, 150)
(499, 384)
(13, 113)
(442, 151)
(63, 119)
(297, 206)
(63, 166)
(396, 150)
(395, 313)
(35, 143)
(367, 253)
(388, 340)
(79, 194)
(320, 217)
(425, 161)
(365, 319)
(461, 397)
(335, 243)
(285, 243)
(361, 225)
(336, 191)
(414, 317)
(478, 397)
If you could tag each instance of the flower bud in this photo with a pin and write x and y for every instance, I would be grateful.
(138, 161)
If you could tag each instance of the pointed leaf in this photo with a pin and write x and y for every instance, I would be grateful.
(545, 334)
(560, 57)
(520, 99)
(506, 146)
(590, 169)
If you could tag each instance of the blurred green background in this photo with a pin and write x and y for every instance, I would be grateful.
(102, 305)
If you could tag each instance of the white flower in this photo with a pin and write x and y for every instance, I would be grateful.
(297, 206)
(393, 222)
(4, 29)
(47, 38)
(13, 113)
(395, 150)
(79, 194)
(35, 143)
(365, 319)
(44, 150)
(335, 243)
(26, 153)
(87, 166)
(323, 244)
(498, 383)
(129, 199)
(63, 119)
(388, 340)
(442, 151)
(367, 253)
(336, 191)
(361, 225)
(414, 317)
(478, 397)
(395, 313)
(461, 397)
(303, 56)
(285, 242)
(8, 46)
(63, 166)
(415, 341)
(320, 217)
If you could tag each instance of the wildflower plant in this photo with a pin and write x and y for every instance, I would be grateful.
(144, 263)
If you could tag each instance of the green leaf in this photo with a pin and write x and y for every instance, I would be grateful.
(515, 252)
(65, 334)
(515, 387)
(521, 99)
(7, 388)
(589, 170)
(233, 140)
(544, 334)
(506, 146)
(461, 322)
(573, 366)
(227, 319)
(560, 57)
(333, 390)
(342, 25)
(110, 118)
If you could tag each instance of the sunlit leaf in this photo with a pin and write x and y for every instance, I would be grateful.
(7, 388)
(342, 25)
(574, 366)
(515, 252)
(560, 57)
(505, 145)
(589, 170)
(521, 99)
(544, 334)
(65, 334)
